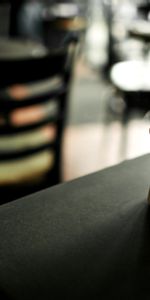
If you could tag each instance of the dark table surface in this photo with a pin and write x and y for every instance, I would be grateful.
(89, 238)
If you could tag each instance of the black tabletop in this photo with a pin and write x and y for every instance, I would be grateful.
(89, 238)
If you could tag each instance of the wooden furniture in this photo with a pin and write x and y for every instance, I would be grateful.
(89, 238)
(34, 88)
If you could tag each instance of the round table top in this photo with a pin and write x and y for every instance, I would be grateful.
(131, 75)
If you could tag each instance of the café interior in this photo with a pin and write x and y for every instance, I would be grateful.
(74, 101)
(105, 118)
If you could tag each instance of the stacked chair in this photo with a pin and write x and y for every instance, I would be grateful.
(34, 85)
(35, 80)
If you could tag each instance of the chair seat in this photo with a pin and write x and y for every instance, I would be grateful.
(30, 61)
(26, 49)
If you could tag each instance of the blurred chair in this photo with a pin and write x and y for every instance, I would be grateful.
(34, 85)
(62, 22)
(51, 23)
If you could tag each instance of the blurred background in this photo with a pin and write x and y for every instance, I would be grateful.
(99, 132)
(107, 111)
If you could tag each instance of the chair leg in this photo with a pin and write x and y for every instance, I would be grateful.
(148, 197)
